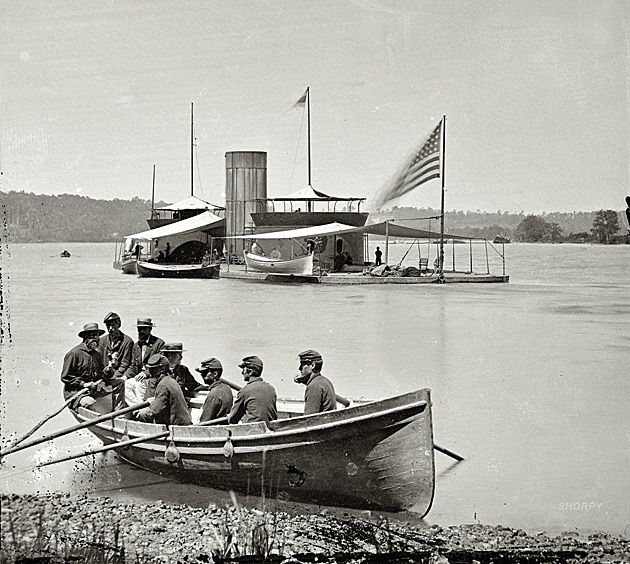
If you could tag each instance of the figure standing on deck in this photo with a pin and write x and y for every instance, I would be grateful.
(83, 369)
(219, 400)
(115, 347)
(146, 346)
(377, 257)
(257, 399)
(168, 407)
(319, 394)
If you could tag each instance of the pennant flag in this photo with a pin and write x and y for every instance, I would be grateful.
(424, 165)
(302, 100)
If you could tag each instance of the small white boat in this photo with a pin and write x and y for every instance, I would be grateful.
(302, 265)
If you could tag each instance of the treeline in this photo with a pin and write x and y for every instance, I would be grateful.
(596, 226)
(32, 217)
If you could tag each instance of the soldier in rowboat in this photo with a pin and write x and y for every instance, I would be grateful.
(115, 347)
(83, 369)
(319, 394)
(219, 400)
(168, 407)
(174, 353)
(146, 346)
(256, 401)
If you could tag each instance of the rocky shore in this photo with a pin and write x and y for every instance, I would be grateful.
(62, 528)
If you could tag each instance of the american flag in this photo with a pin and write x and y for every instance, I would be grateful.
(424, 165)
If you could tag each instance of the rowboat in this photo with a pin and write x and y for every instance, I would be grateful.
(376, 455)
(156, 270)
(302, 265)
(129, 265)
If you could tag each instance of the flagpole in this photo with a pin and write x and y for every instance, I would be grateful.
(308, 113)
(192, 142)
(441, 274)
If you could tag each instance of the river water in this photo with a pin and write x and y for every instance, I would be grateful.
(529, 379)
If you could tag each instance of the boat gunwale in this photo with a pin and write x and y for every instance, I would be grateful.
(269, 433)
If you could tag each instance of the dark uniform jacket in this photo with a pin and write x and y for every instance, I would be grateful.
(169, 405)
(218, 403)
(255, 402)
(153, 345)
(123, 348)
(81, 365)
(186, 380)
(319, 395)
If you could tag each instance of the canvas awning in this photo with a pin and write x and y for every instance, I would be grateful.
(339, 228)
(190, 203)
(203, 221)
(309, 193)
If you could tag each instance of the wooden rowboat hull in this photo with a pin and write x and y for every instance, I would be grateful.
(374, 455)
(298, 266)
(153, 270)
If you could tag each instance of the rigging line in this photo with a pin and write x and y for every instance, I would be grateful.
(297, 146)
(198, 171)
(405, 255)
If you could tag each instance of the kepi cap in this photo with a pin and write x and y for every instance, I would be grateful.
(90, 328)
(144, 322)
(310, 356)
(210, 364)
(111, 316)
(251, 362)
(173, 347)
(155, 361)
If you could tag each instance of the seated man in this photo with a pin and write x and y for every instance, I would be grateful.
(83, 369)
(174, 353)
(257, 399)
(219, 400)
(168, 407)
(319, 394)
(275, 254)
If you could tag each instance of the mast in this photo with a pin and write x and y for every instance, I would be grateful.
(308, 113)
(192, 143)
(441, 275)
(153, 193)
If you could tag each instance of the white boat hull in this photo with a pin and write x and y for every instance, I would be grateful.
(300, 266)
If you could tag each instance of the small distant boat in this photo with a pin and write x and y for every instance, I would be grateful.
(65, 254)
(500, 239)
(129, 265)
(157, 270)
(298, 266)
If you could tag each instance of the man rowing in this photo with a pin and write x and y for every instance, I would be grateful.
(115, 347)
(168, 407)
(145, 347)
(319, 394)
(219, 400)
(174, 353)
(83, 369)
(256, 401)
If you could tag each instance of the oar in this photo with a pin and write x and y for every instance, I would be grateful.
(122, 444)
(47, 418)
(68, 430)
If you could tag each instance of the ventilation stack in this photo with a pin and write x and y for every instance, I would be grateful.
(245, 193)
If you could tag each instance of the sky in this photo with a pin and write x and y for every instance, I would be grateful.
(93, 93)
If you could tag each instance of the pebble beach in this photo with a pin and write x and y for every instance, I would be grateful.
(63, 528)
